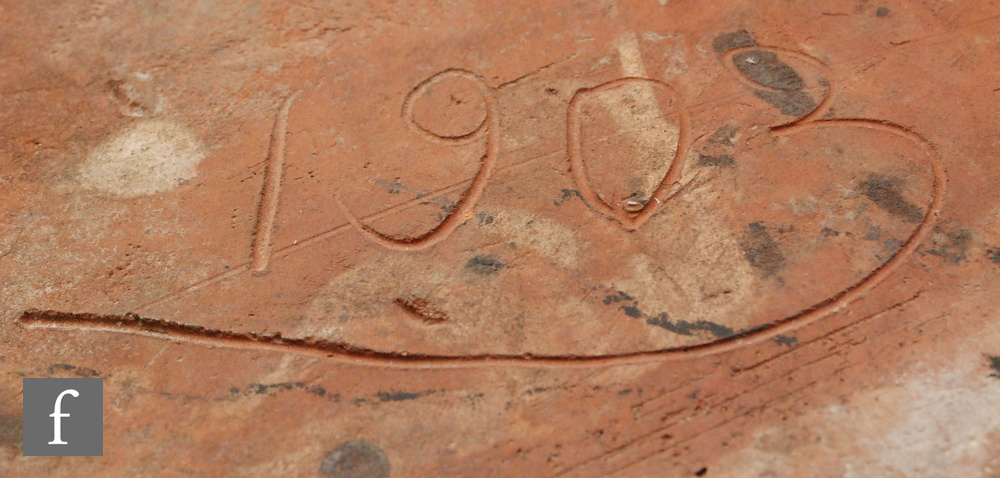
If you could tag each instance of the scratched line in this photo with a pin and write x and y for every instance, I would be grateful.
(465, 206)
(133, 324)
(794, 367)
(427, 361)
(334, 231)
(768, 331)
(344, 352)
(263, 238)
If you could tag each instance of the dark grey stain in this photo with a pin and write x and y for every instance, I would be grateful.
(484, 265)
(395, 396)
(786, 340)
(791, 103)
(760, 250)
(11, 430)
(766, 69)
(720, 161)
(953, 247)
(884, 192)
(689, 328)
(732, 40)
(783, 86)
(566, 195)
(355, 459)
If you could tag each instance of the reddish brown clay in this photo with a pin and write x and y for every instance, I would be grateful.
(610, 238)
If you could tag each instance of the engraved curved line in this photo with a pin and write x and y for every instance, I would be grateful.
(925, 227)
(629, 220)
(421, 309)
(342, 352)
(332, 232)
(938, 188)
(824, 104)
(131, 324)
(346, 353)
(263, 237)
(465, 207)
(407, 110)
(306, 243)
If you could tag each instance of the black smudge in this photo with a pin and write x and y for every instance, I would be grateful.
(688, 328)
(760, 250)
(766, 69)
(732, 40)
(884, 192)
(484, 265)
(720, 161)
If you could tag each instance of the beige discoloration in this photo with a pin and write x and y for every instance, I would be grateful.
(220, 66)
(939, 424)
(630, 55)
(366, 292)
(359, 302)
(148, 157)
(636, 110)
(552, 240)
(702, 274)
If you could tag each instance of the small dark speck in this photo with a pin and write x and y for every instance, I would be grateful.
(566, 195)
(885, 193)
(881, 12)
(731, 40)
(994, 255)
(394, 396)
(701, 472)
(829, 232)
(953, 246)
(355, 459)
(484, 265)
(761, 250)
(632, 310)
(995, 365)
(484, 218)
(618, 297)
(552, 91)
(11, 431)
(786, 340)
(723, 161)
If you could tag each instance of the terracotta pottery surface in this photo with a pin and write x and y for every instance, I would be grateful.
(494, 238)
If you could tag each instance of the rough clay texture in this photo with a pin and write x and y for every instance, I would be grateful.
(149, 157)
(609, 238)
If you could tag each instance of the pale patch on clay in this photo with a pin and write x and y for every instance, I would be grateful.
(630, 56)
(701, 273)
(148, 157)
(363, 301)
(940, 424)
(636, 111)
(364, 291)
(553, 241)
